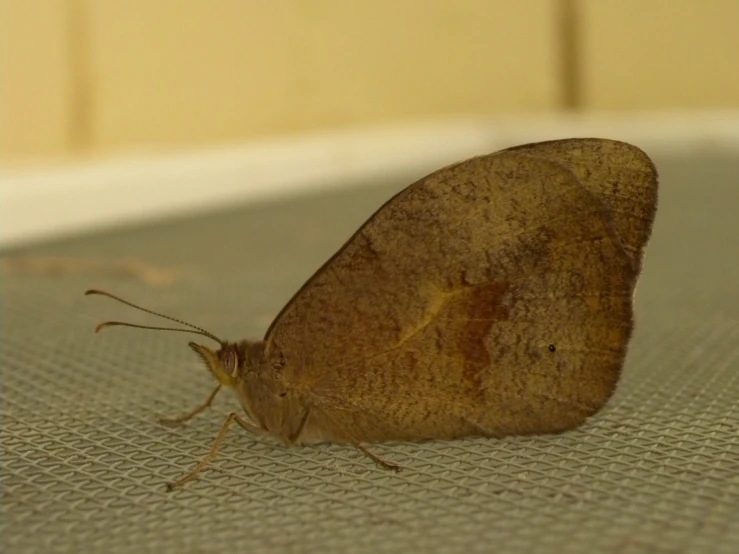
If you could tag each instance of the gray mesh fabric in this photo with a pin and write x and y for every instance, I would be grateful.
(84, 461)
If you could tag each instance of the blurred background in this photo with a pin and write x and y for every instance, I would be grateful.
(83, 82)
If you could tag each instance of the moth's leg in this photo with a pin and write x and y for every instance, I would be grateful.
(295, 435)
(250, 427)
(214, 447)
(379, 461)
(175, 421)
(346, 437)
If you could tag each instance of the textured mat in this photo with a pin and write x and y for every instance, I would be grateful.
(84, 461)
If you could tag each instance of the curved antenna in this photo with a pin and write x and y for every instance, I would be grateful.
(195, 329)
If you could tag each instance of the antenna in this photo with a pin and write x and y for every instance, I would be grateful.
(193, 328)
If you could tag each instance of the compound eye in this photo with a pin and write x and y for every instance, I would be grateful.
(230, 362)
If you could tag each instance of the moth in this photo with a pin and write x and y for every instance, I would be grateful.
(493, 297)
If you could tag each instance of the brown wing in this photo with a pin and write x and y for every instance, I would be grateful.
(491, 297)
(621, 174)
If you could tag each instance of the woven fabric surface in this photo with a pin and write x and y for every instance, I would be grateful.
(85, 462)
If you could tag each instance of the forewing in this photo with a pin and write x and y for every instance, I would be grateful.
(621, 174)
(439, 316)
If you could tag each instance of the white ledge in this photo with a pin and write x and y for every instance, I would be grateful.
(39, 204)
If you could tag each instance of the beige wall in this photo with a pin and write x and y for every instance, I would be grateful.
(255, 68)
(81, 77)
(659, 53)
(35, 81)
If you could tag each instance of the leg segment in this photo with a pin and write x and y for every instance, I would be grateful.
(175, 421)
(215, 446)
(379, 461)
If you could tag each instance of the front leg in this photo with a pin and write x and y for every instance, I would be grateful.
(175, 421)
(232, 417)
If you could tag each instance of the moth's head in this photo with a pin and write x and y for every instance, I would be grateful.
(224, 363)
